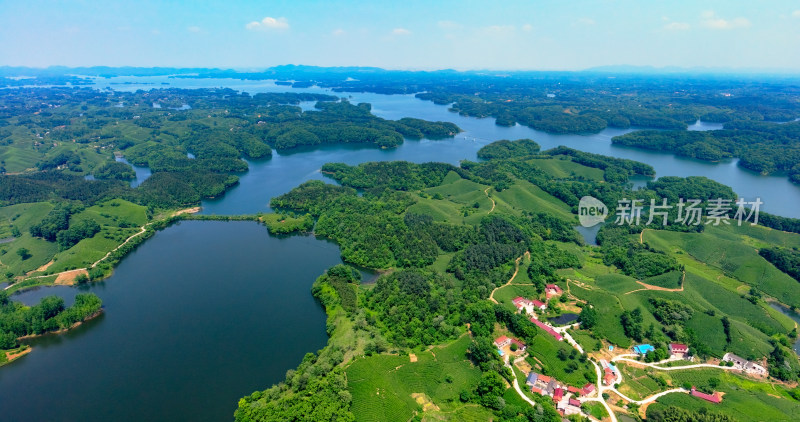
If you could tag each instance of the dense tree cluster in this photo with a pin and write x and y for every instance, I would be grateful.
(338, 286)
(779, 223)
(52, 185)
(674, 188)
(56, 221)
(617, 170)
(83, 229)
(415, 307)
(631, 322)
(50, 314)
(779, 363)
(670, 312)
(396, 175)
(508, 149)
(786, 260)
(114, 170)
(763, 147)
(315, 391)
(632, 257)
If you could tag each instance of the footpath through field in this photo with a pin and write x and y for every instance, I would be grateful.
(142, 230)
(516, 270)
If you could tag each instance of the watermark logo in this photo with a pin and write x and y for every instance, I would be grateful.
(691, 212)
(591, 211)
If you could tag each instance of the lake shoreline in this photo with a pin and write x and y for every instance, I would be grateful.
(63, 330)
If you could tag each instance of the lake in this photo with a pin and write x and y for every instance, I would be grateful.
(206, 312)
(202, 314)
(268, 178)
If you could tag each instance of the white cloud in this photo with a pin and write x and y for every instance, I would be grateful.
(796, 14)
(676, 26)
(448, 25)
(712, 21)
(401, 31)
(194, 29)
(155, 32)
(338, 31)
(585, 21)
(268, 23)
(527, 27)
(498, 29)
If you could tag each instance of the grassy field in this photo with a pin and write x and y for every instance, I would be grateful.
(382, 385)
(454, 201)
(562, 167)
(639, 383)
(585, 339)
(744, 400)
(731, 254)
(117, 218)
(592, 267)
(595, 409)
(617, 283)
(544, 349)
(609, 310)
(525, 196)
(668, 280)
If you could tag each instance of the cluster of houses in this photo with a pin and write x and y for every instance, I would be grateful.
(745, 365)
(528, 305)
(566, 398)
(609, 372)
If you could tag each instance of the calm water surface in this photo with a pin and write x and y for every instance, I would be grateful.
(200, 315)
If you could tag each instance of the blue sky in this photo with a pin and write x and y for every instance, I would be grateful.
(406, 34)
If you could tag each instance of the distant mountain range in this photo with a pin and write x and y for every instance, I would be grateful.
(291, 71)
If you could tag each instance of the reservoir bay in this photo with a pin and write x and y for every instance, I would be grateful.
(202, 314)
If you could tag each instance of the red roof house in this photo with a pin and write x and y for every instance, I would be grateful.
(558, 394)
(547, 328)
(539, 305)
(520, 301)
(609, 377)
(552, 290)
(713, 398)
(520, 345)
(678, 349)
(574, 402)
(502, 341)
(588, 389)
(573, 390)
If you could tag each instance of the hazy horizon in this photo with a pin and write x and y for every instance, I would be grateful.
(414, 35)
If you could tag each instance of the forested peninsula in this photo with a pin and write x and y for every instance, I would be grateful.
(460, 245)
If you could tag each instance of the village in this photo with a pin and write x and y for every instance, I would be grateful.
(569, 399)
